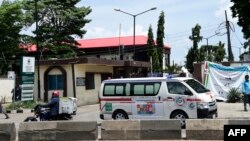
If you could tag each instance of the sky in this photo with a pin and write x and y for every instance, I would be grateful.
(180, 17)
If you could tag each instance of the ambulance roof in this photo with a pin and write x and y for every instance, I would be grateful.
(145, 79)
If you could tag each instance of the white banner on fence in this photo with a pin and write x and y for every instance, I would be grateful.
(220, 79)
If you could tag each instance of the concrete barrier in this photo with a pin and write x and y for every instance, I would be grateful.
(160, 129)
(239, 122)
(7, 131)
(57, 131)
(205, 129)
(120, 130)
(140, 129)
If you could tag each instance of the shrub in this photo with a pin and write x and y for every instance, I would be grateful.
(21, 104)
(234, 95)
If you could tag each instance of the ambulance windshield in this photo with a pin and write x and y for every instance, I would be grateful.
(198, 87)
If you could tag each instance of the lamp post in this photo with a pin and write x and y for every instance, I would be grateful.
(134, 16)
(38, 49)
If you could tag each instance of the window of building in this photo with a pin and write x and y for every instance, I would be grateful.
(55, 82)
(90, 81)
(105, 76)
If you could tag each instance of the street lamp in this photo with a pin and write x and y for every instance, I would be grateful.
(134, 16)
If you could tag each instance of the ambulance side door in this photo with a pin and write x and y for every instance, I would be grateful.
(181, 98)
(146, 102)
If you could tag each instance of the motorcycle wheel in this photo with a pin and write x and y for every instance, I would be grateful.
(65, 117)
(30, 119)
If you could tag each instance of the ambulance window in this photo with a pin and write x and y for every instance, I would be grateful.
(109, 90)
(145, 89)
(199, 88)
(156, 87)
(149, 89)
(127, 91)
(119, 90)
(176, 88)
(138, 89)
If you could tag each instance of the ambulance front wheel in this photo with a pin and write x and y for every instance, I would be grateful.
(120, 115)
(182, 116)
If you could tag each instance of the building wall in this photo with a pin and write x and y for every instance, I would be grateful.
(53, 71)
(6, 86)
(90, 96)
(84, 96)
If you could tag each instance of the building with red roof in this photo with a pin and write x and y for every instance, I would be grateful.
(115, 48)
(100, 59)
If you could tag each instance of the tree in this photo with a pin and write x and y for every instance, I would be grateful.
(240, 9)
(152, 52)
(219, 52)
(160, 38)
(202, 54)
(193, 53)
(212, 52)
(11, 23)
(58, 23)
(196, 38)
(173, 69)
(150, 41)
(190, 57)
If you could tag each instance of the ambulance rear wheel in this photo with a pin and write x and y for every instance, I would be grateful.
(181, 116)
(120, 115)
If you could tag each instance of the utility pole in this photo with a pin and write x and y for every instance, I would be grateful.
(230, 53)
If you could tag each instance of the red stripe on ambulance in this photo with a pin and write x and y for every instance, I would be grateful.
(116, 99)
(194, 99)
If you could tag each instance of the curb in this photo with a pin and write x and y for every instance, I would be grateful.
(14, 111)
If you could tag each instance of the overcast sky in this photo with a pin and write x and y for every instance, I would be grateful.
(180, 17)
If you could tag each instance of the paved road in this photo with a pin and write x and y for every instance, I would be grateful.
(91, 112)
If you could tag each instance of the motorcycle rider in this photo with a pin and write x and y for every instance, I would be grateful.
(53, 105)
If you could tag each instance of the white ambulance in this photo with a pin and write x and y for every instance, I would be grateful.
(156, 98)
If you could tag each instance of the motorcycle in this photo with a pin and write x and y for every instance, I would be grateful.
(43, 114)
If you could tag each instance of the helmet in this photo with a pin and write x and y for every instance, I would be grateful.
(55, 93)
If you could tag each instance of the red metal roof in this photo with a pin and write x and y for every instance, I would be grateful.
(105, 42)
(113, 42)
